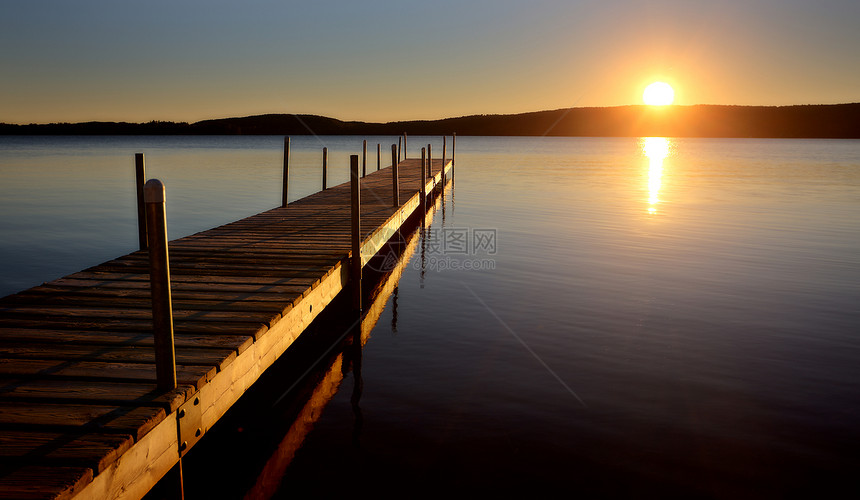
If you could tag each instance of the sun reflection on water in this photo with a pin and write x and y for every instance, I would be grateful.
(656, 149)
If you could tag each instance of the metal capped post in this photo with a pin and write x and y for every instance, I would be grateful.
(159, 280)
(140, 179)
(395, 178)
(355, 261)
(286, 171)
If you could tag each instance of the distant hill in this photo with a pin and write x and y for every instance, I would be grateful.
(813, 121)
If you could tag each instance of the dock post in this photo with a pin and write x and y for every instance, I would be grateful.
(364, 158)
(159, 279)
(395, 178)
(444, 155)
(140, 178)
(378, 156)
(325, 167)
(404, 145)
(423, 182)
(399, 141)
(355, 261)
(429, 163)
(286, 171)
(453, 148)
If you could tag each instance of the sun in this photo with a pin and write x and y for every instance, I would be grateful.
(658, 94)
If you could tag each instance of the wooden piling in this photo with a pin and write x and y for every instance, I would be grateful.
(444, 155)
(423, 181)
(286, 171)
(140, 179)
(378, 157)
(325, 168)
(399, 141)
(453, 149)
(159, 279)
(364, 158)
(404, 145)
(395, 177)
(429, 162)
(355, 260)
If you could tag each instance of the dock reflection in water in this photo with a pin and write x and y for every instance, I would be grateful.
(291, 396)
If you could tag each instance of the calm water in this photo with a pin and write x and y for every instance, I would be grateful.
(599, 317)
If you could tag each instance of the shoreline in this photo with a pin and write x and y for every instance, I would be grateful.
(819, 121)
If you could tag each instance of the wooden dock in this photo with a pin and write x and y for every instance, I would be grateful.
(80, 414)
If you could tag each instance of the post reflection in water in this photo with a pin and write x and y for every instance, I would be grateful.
(354, 353)
(394, 310)
(424, 233)
(656, 149)
(443, 207)
(452, 191)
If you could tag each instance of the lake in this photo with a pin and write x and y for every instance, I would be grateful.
(593, 316)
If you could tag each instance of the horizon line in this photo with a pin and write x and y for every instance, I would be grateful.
(668, 106)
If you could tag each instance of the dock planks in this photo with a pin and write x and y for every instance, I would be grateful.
(80, 415)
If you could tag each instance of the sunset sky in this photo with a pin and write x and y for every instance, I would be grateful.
(379, 60)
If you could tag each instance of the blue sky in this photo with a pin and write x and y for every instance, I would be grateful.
(394, 60)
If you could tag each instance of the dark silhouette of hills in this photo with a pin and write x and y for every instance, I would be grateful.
(813, 121)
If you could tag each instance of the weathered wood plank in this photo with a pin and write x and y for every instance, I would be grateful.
(36, 482)
(238, 271)
(96, 451)
(132, 325)
(211, 294)
(95, 313)
(141, 339)
(121, 301)
(92, 392)
(120, 279)
(230, 255)
(115, 354)
(207, 260)
(193, 375)
(65, 417)
(182, 289)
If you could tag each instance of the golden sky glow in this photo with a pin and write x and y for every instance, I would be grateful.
(195, 59)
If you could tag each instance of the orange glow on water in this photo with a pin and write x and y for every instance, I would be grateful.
(656, 149)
